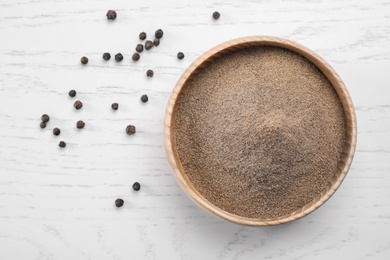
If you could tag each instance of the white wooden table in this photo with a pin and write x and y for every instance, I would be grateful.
(59, 203)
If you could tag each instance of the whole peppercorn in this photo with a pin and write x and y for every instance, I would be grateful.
(136, 186)
(115, 106)
(111, 15)
(62, 144)
(42, 124)
(139, 48)
(150, 73)
(142, 36)
(144, 98)
(78, 104)
(159, 34)
(45, 118)
(72, 93)
(106, 56)
(56, 131)
(156, 42)
(216, 15)
(84, 60)
(119, 202)
(149, 45)
(180, 55)
(130, 129)
(118, 57)
(80, 124)
(136, 56)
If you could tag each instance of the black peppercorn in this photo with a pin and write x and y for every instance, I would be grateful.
(149, 45)
(84, 60)
(136, 186)
(159, 34)
(106, 56)
(80, 124)
(139, 48)
(56, 131)
(118, 57)
(216, 15)
(135, 57)
(72, 93)
(115, 106)
(150, 73)
(42, 124)
(78, 104)
(119, 202)
(144, 98)
(45, 118)
(180, 55)
(142, 36)
(156, 42)
(111, 15)
(130, 129)
(62, 144)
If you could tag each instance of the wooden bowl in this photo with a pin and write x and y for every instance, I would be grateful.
(231, 46)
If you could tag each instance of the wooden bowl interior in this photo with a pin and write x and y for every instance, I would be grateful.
(232, 46)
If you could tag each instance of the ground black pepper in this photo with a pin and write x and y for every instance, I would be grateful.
(180, 55)
(106, 56)
(111, 15)
(78, 104)
(115, 106)
(136, 186)
(142, 36)
(80, 124)
(45, 118)
(62, 144)
(150, 73)
(119, 203)
(159, 34)
(118, 57)
(130, 129)
(84, 60)
(56, 131)
(144, 98)
(148, 45)
(72, 93)
(135, 56)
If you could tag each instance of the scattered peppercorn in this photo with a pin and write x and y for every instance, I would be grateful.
(45, 118)
(150, 73)
(130, 129)
(156, 42)
(142, 36)
(139, 48)
(106, 56)
(115, 106)
(136, 56)
(119, 202)
(56, 131)
(159, 34)
(180, 55)
(78, 104)
(118, 57)
(111, 15)
(216, 15)
(84, 60)
(42, 124)
(80, 124)
(72, 93)
(144, 98)
(149, 45)
(62, 144)
(136, 186)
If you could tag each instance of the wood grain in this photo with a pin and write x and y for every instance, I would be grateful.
(59, 204)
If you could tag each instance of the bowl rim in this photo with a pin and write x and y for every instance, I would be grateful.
(231, 46)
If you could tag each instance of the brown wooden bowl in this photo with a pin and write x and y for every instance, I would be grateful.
(231, 46)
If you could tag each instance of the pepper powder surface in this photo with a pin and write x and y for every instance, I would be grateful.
(260, 132)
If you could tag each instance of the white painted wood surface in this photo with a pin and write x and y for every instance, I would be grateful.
(59, 203)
